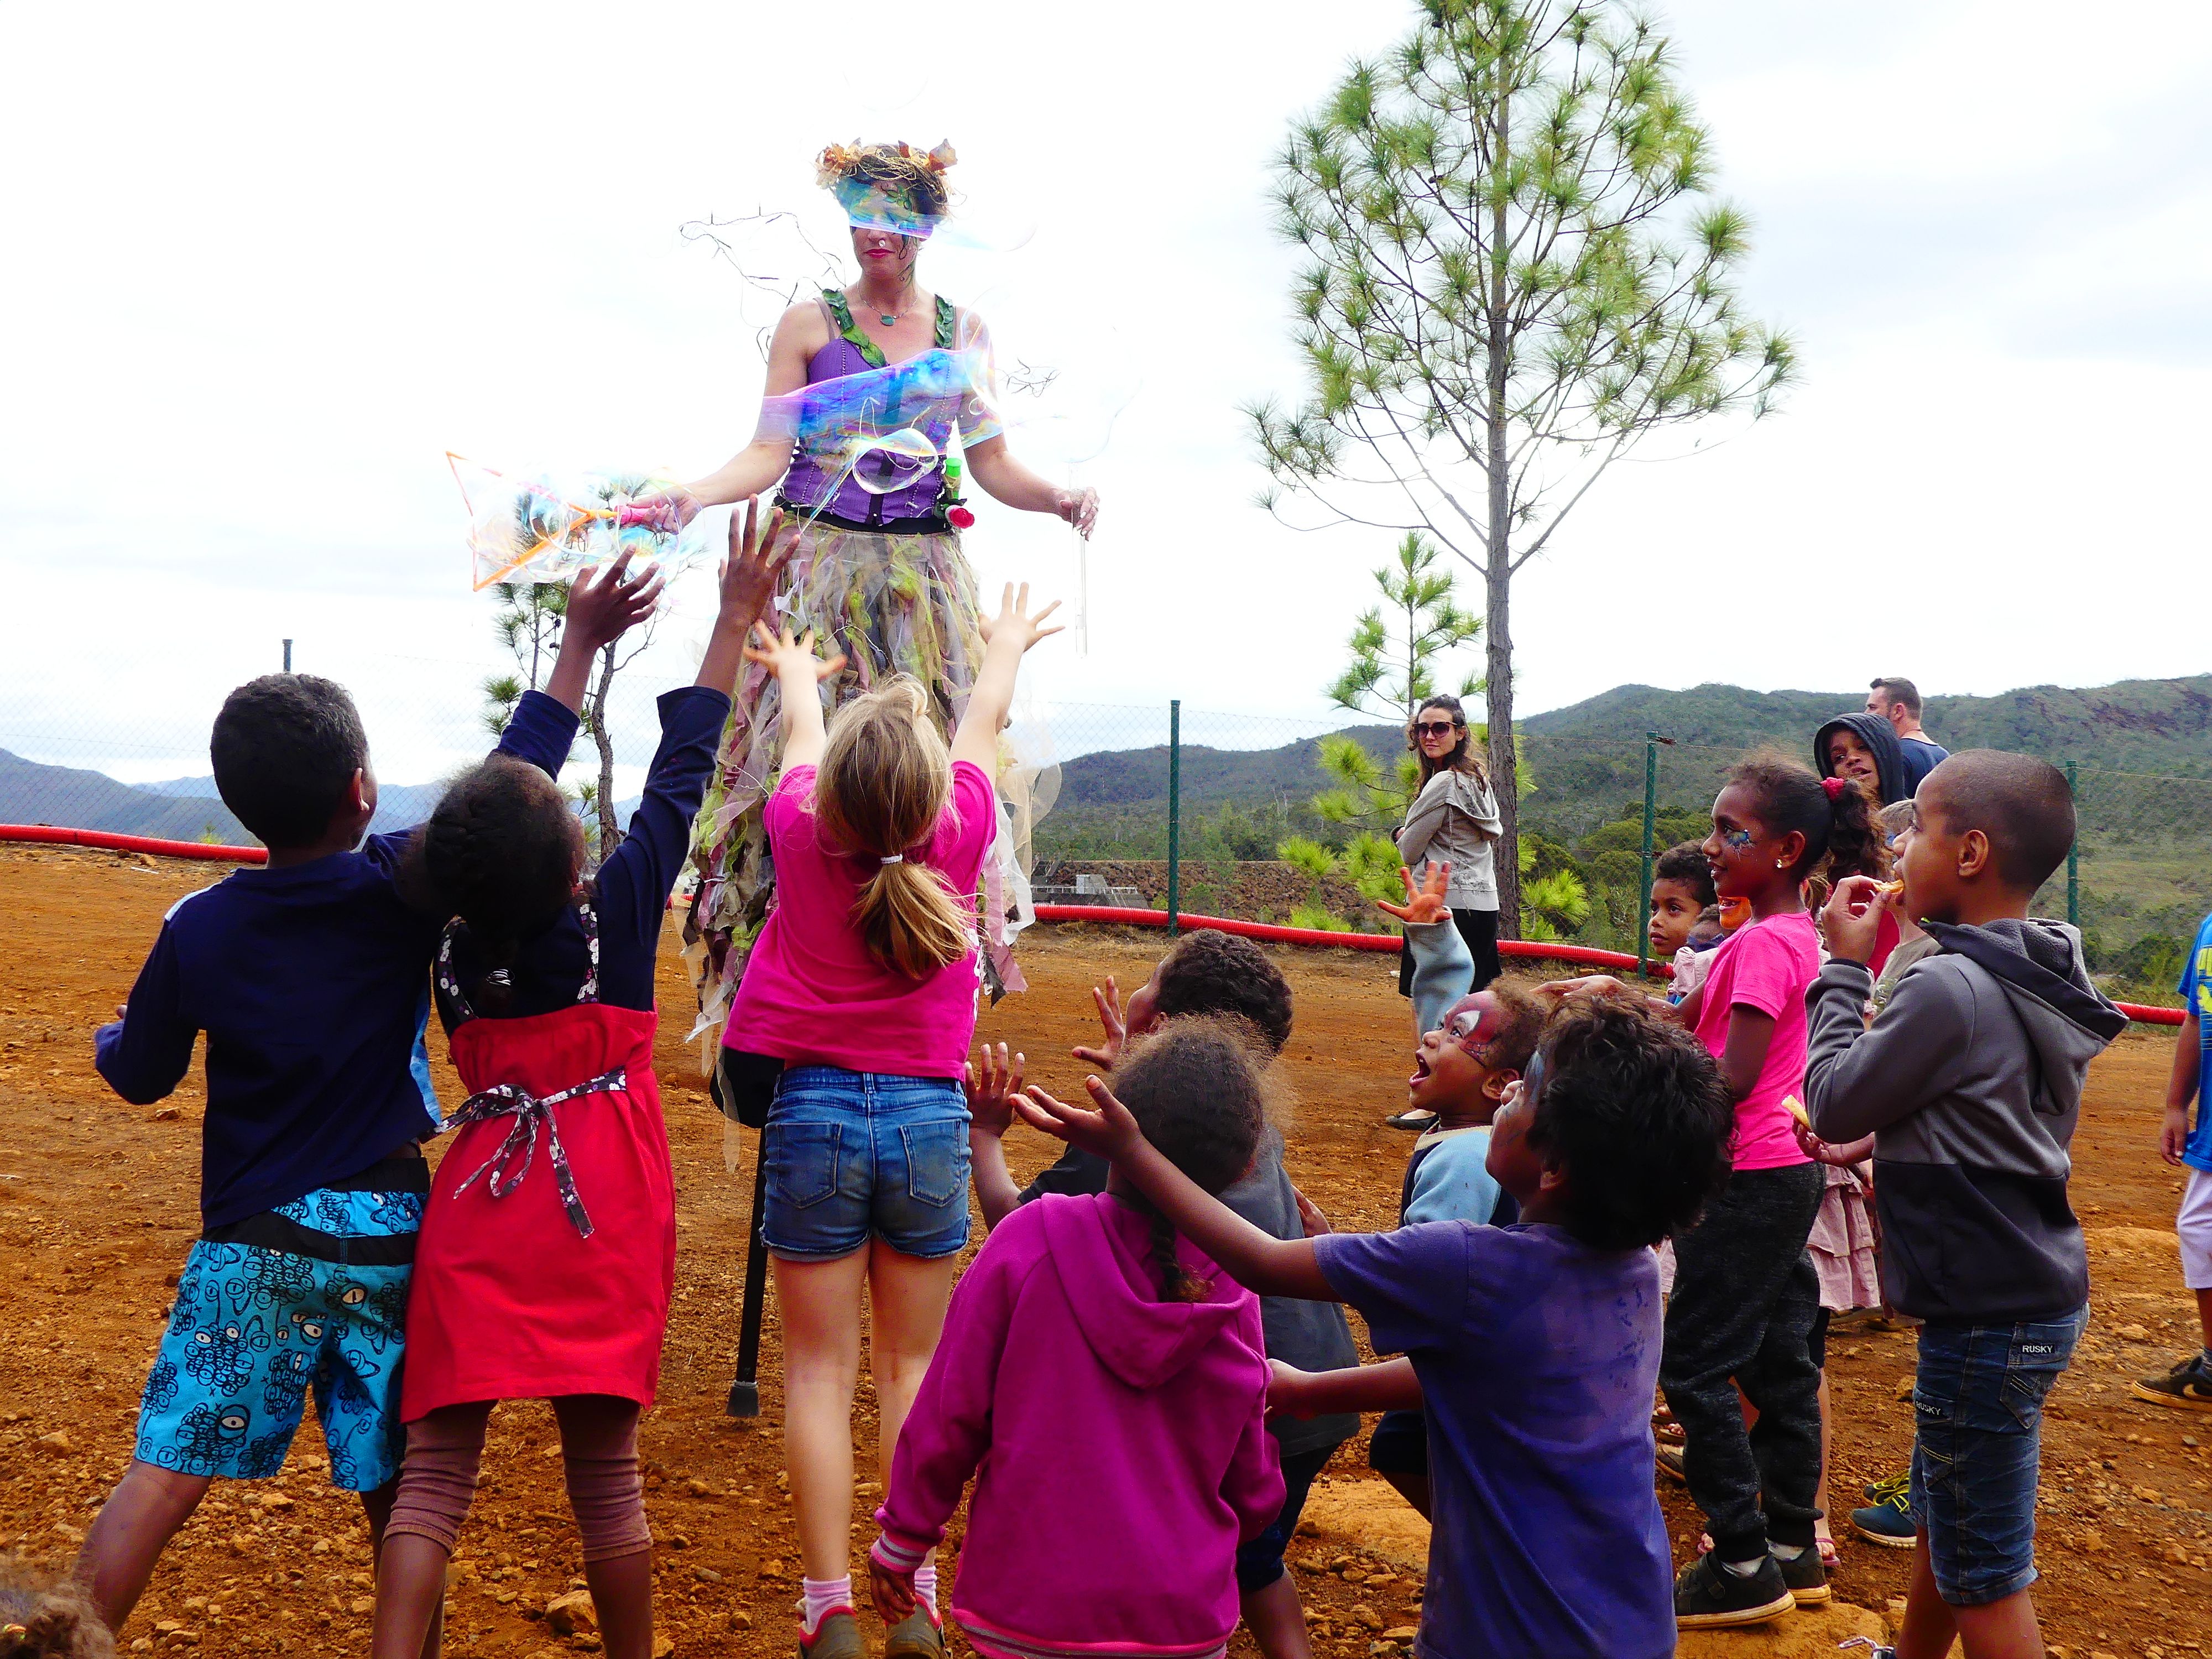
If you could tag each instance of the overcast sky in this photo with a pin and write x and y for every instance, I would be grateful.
(264, 266)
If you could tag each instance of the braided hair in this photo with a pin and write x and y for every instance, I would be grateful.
(1197, 1087)
(48, 1616)
(503, 852)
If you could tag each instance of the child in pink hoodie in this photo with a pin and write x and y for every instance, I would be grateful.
(1106, 1387)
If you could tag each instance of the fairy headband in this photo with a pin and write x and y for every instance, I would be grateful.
(892, 187)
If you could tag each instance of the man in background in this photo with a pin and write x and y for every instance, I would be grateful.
(1898, 702)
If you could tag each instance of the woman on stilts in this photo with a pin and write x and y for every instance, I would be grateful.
(877, 570)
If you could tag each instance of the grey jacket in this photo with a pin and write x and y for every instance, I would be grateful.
(1970, 1081)
(1455, 820)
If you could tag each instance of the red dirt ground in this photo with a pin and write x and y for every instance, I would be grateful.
(97, 1210)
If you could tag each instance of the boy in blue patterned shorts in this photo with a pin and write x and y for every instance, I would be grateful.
(311, 979)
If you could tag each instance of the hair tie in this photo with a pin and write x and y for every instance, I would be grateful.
(1835, 786)
(896, 858)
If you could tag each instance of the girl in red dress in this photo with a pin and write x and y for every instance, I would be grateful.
(553, 1282)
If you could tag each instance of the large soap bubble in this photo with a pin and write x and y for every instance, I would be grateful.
(883, 465)
(545, 529)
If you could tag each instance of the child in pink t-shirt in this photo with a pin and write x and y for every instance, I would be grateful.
(863, 983)
(1744, 1293)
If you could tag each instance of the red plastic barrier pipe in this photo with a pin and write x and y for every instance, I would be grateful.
(1581, 955)
(55, 834)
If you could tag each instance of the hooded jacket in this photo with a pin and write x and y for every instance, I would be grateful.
(1970, 1081)
(1117, 1442)
(1877, 734)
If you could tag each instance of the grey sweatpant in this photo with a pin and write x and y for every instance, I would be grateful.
(1742, 1310)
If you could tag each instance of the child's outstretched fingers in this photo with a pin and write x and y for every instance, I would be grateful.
(1109, 1132)
(1116, 1028)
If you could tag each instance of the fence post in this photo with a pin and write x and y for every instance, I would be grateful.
(1651, 742)
(287, 656)
(1175, 815)
(2074, 855)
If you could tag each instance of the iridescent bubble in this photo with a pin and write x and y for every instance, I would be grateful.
(892, 462)
(547, 528)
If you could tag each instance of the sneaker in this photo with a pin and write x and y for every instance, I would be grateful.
(1706, 1594)
(1887, 1520)
(920, 1635)
(1417, 1122)
(837, 1636)
(1806, 1577)
(2188, 1385)
(1879, 1490)
(1671, 1465)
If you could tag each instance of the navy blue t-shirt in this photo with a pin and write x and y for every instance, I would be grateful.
(1922, 756)
(312, 985)
(632, 885)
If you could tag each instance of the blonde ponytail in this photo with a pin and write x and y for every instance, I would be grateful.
(883, 781)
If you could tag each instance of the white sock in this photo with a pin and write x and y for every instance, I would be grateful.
(1785, 1552)
(818, 1595)
(925, 1584)
(1746, 1569)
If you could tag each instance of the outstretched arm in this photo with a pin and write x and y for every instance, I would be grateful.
(761, 463)
(748, 578)
(1388, 1386)
(1255, 1260)
(991, 1089)
(1003, 478)
(1007, 636)
(603, 604)
(797, 671)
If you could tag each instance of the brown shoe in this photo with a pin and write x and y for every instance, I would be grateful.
(837, 1636)
(920, 1635)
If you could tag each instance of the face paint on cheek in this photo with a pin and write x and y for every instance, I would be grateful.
(1736, 840)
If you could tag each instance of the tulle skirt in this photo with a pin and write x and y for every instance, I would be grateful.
(893, 604)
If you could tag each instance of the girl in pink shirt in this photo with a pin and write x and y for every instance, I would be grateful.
(863, 983)
(1105, 1386)
(1745, 1294)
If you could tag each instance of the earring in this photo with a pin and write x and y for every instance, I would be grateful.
(1781, 864)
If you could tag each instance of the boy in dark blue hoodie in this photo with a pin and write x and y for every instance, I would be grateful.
(311, 979)
(1971, 1085)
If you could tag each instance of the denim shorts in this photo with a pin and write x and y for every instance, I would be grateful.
(1976, 1449)
(854, 1156)
(1260, 1560)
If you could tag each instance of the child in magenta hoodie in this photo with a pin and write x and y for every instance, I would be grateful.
(1106, 1387)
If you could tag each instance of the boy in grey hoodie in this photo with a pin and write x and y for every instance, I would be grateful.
(1970, 1083)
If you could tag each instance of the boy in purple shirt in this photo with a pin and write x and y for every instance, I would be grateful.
(1534, 1348)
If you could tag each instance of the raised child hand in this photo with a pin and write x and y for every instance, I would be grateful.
(606, 603)
(991, 1090)
(1108, 1054)
(786, 657)
(756, 561)
(1426, 906)
(1014, 621)
(893, 1590)
(1109, 1132)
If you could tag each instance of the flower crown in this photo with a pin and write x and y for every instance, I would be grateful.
(891, 187)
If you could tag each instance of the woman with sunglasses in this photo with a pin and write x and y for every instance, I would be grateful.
(1453, 820)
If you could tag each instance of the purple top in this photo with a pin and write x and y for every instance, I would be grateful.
(1537, 1356)
(927, 391)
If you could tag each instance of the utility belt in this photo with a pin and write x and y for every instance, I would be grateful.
(929, 523)
(407, 1172)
